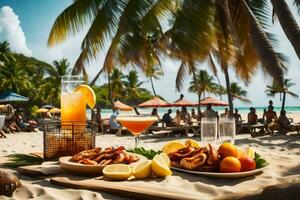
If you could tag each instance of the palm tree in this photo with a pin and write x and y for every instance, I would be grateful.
(132, 84)
(5, 53)
(111, 20)
(51, 84)
(238, 92)
(275, 89)
(203, 83)
(116, 84)
(288, 22)
(13, 77)
(153, 73)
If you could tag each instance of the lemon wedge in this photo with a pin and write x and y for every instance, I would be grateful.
(250, 152)
(167, 159)
(191, 143)
(89, 94)
(172, 146)
(142, 170)
(118, 172)
(160, 167)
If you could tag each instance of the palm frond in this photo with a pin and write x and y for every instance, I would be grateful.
(18, 160)
(72, 20)
(181, 74)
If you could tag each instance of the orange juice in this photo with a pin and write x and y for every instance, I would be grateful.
(136, 125)
(73, 108)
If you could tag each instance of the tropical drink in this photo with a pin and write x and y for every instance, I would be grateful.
(74, 97)
(136, 124)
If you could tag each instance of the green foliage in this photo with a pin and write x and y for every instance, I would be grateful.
(18, 160)
(144, 152)
(260, 162)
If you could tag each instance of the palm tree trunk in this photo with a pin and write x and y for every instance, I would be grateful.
(96, 77)
(227, 79)
(283, 101)
(153, 89)
(109, 91)
(198, 93)
(288, 23)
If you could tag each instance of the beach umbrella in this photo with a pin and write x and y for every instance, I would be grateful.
(42, 110)
(55, 110)
(185, 103)
(47, 106)
(154, 102)
(12, 97)
(122, 106)
(212, 101)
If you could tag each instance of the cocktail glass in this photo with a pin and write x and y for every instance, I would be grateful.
(73, 104)
(137, 124)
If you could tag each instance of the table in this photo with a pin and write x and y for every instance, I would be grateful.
(255, 129)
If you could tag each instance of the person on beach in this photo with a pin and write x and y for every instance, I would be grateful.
(98, 119)
(167, 119)
(154, 112)
(252, 116)
(237, 117)
(177, 118)
(226, 113)
(185, 115)
(113, 123)
(283, 123)
(271, 119)
(193, 114)
(209, 112)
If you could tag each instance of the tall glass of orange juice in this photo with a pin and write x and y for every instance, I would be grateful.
(73, 104)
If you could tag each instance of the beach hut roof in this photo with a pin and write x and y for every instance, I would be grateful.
(122, 106)
(154, 102)
(42, 110)
(55, 110)
(212, 101)
(184, 102)
(11, 96)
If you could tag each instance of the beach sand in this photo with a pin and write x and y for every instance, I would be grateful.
(282, 152)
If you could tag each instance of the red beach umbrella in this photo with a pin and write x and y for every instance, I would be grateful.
(122, 106)
(184, 102)
(212, 101)
(154, 102)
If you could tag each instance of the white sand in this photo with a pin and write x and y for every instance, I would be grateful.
(282, 152)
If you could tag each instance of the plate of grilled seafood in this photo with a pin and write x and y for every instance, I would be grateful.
(227, 161)
(91, 162)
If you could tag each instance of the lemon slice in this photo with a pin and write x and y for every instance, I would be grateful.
(250, 152)
(159, 166)
(173, 146)
(167, 159)
(89, 94)
(118, 172)
(142, 170)
(191, 143)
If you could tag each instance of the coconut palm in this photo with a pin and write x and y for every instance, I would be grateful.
(13, 77)
(116, 84)
(153, 72)
(52, 84)
(238, 92)
(275, 89)
(111, 20)
(203, 83)
(132, 84)
(288, 22)
(5, 53)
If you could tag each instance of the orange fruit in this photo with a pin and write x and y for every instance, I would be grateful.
(247, 163)
(230, 164)
(227, 149)
(241, 153)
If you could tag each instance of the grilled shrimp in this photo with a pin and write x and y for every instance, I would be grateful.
(120, 158)
(194, 162)
(212, 156)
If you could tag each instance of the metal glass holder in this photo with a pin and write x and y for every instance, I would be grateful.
(67, 139)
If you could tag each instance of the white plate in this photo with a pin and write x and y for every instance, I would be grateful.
(87, 170)
(223, 175)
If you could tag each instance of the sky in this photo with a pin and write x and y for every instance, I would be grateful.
(26, 25)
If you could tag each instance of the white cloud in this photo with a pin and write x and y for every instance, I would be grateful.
(11, 31)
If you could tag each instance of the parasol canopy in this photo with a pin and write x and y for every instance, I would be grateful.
(154, 102)
(122, 106)
(55, 110)
(11, 96)
(213, 102)
(42, 110)
(184, 102)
